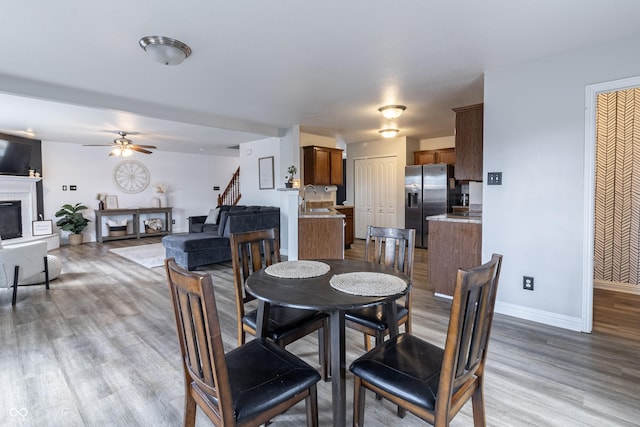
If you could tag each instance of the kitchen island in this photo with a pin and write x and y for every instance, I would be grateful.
(455, 241)
(320, 234)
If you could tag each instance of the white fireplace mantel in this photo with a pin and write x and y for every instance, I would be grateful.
(22, 188)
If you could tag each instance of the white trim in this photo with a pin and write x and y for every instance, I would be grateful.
(626, 288)
(540, 316)
(591, 94)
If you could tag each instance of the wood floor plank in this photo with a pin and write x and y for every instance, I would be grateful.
(100, 348)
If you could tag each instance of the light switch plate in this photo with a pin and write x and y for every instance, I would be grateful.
(494, 178)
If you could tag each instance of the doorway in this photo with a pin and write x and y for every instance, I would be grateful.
(590, 225)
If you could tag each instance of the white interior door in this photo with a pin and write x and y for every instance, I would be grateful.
(363, 189)
(375, 193)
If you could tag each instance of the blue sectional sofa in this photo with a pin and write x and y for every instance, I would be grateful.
(209, 243)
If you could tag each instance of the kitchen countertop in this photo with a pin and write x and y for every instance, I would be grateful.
(453, 217)
(320, 213)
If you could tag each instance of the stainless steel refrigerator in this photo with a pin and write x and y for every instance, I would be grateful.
(428, 190)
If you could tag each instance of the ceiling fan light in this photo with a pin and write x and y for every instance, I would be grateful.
(116, 151)
(392, 111)
(127, 152)
(388, 133)
(165, 50)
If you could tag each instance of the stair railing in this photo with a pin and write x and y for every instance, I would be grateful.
(231, 195)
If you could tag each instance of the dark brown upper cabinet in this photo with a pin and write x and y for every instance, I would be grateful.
(469, 127)
(322, 165)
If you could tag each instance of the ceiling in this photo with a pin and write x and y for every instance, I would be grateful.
(72, 71)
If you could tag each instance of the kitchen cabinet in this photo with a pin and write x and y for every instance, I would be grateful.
(321, 237)
(469, 128)
(453, 244)
(322, 165)
(349, 230)
(428, 157)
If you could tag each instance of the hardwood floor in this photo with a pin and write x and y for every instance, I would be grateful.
(616, 313)
(99, 348)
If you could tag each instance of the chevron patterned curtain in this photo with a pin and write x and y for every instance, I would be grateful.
(617, 188)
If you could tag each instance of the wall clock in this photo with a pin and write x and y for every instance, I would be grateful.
(131, 176)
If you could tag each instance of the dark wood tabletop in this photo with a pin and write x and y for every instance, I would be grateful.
(316, 293)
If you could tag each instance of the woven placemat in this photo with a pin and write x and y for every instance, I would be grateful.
(368, 284)
(297, 269)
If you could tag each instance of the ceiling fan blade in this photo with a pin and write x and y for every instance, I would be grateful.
(140, 150)
(146, 146)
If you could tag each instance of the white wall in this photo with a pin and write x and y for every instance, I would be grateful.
(250, 153)
(534, 123)
(191, 179)
(320, 141)
(438, 143)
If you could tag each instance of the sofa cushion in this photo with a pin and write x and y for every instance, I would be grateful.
(194, 241)
(251, 220)
(212, 218)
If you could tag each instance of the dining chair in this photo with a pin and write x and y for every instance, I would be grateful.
(426, 380)
(250, 252)
(393, 247)
(21, 261)
(247, 386)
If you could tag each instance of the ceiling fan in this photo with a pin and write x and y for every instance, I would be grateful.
(124, 146)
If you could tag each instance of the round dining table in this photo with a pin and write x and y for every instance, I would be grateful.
(316, 293)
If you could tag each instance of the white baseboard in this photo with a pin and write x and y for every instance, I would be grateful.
(540, 316)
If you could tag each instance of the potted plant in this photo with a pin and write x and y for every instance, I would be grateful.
(73, 221)
(292, 173)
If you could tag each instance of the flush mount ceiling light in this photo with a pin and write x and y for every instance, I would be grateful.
(165, 50)
(388, 133)
(392, 111)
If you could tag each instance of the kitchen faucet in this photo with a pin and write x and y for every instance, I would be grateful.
(304, 196)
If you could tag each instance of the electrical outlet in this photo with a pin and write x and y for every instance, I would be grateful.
(216, 188)
(173, 221)
(73, 187)
(494, 178)
(64, 188)
(527, 283)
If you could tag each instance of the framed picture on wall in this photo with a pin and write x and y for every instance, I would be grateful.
(265, 173)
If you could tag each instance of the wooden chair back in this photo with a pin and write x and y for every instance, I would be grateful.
(393, 247)
(250, 252)
(200, 337)
(468, 335)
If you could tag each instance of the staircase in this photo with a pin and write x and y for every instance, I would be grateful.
(231, 195)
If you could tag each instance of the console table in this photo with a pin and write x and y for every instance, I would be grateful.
(134, 217)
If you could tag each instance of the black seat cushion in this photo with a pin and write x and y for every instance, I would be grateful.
(263, 375)
(374, 317)
(283, 320)
(405, 366)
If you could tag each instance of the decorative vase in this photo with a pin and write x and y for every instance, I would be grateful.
(288, 184)
(75, 239)
(101, 205)
(163, 200)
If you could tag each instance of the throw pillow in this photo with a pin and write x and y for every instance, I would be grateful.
(212, 218)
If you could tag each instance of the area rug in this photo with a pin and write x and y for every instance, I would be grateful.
(150, 256)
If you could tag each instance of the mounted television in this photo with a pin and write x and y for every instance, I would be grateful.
(14, 158)
(17, 154)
